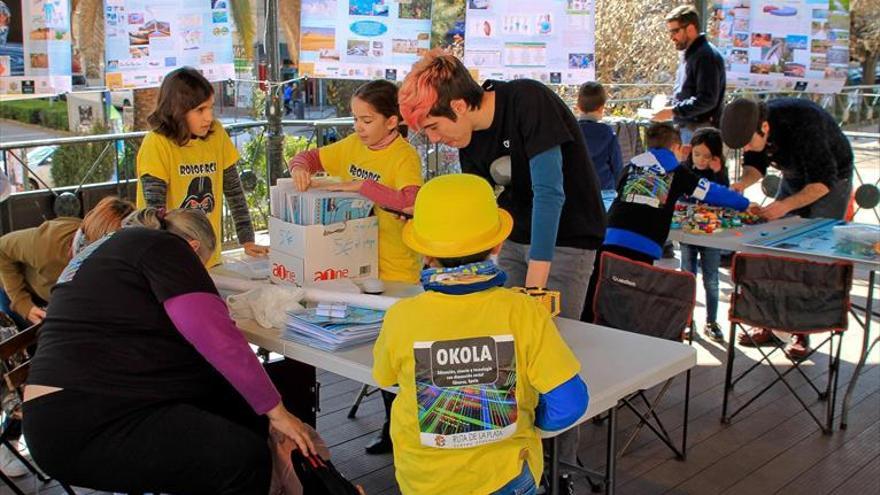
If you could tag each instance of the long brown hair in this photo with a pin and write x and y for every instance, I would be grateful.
(182, 90)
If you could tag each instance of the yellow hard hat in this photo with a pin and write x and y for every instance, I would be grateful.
(456, 215)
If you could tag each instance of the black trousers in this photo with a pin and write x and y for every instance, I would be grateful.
(587, 314)
(214, 446)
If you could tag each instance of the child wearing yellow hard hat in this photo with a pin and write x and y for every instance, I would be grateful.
(479, 367)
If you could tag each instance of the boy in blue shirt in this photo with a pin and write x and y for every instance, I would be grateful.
(601, 141)
(639, 218)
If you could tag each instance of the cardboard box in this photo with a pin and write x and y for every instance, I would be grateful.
(308, 254)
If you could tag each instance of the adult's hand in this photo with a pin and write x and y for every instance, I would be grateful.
(302, 179)
(538, 273)
(663, 115)
(253, 249)
(291, 427)
(774, 210)
(36, 314)
(739, 187)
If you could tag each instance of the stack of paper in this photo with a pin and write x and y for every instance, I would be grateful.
(318, 207)
(360, 326)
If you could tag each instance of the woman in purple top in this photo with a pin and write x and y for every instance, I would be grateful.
(141, 381)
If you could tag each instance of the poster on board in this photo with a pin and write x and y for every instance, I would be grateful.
(792, 45)
(146, 39)
(549, 41)
(363, 39)
(35, 48)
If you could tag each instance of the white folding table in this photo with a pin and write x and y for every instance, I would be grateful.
(614, 364)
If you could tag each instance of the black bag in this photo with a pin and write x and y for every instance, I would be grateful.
(319, 476)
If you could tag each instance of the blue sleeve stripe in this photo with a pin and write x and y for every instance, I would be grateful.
(562, 406)
(719, 195)
(547, 186)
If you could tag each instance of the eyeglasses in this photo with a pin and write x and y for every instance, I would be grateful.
(674, 31)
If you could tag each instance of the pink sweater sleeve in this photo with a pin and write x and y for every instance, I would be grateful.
(309, 160)
(387, 197)
(203, 320)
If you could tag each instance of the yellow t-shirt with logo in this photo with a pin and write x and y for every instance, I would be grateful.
(396, 166)
(470, 368)
(193, 172)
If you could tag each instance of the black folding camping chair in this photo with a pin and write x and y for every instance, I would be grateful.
(794, 296)
(649, 300)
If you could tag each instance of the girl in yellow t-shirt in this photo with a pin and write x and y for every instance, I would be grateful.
(187, 160)
(379, 163)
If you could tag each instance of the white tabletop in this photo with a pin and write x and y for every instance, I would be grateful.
(741, 239)
(614, 363)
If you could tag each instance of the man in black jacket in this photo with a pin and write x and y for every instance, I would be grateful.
(699, 82)
(803, 141)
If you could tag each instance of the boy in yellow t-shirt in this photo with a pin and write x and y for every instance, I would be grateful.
(479, 366)
(188, 160)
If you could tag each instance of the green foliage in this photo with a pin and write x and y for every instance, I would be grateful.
(253, 157)
(71, 163)
(40, 111)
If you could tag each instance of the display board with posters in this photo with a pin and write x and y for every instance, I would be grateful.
(793, 45)
(145, 39)
(549, 41)
(363, 39)
(35, 48)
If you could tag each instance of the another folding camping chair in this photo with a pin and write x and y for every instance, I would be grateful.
(641, 298)
(795, 296)
(15, 364)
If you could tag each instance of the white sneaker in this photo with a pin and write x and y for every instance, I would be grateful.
(10, 464)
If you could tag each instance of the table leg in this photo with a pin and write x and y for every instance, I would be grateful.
(554, 466)
(297, 384)
(865, 349)
(611, 452)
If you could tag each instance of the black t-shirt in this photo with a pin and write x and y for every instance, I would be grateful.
(107, 332)
(805, 143)
(530, 119)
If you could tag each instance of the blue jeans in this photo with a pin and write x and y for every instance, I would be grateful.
(523, 484)
(710, 260)
(6, 308)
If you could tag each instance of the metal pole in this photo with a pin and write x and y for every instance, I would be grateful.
(275, 131)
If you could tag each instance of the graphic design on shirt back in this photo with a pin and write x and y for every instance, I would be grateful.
(200, 195)
(466, 391)
(646, 186)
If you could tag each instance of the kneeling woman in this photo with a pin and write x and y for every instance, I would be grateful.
(141, 381)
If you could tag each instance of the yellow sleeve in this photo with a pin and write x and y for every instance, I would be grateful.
(550, 361)
(230, 153)
(409, 171)
(384, 370)
(333, 155)
(154, 157)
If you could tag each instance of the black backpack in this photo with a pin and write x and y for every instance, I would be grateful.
(319, 476)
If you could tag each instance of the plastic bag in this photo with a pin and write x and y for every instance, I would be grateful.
(267, 305)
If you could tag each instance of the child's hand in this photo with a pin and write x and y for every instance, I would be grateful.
(254, 249)
(302, 179)
(352, 186)
(754, 209)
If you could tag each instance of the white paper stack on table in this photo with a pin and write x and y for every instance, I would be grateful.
(316, 206)
(359, 326)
